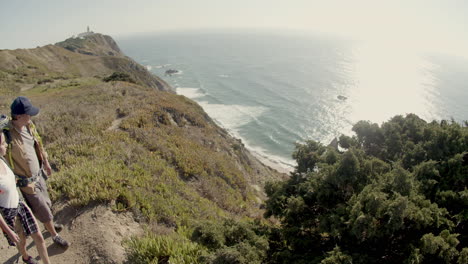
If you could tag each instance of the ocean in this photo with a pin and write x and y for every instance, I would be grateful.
(273, 90)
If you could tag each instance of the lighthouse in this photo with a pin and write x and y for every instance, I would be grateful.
(84, 34)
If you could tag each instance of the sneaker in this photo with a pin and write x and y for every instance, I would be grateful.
(58, 227)
(60, 241)
(30, 260)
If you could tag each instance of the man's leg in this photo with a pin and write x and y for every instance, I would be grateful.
(41, 206)
(51, 228)
(49, 225)
(41, 247)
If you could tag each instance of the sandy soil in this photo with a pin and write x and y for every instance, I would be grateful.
(272, 164)
(96, 234)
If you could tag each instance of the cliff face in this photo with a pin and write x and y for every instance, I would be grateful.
(93, 56)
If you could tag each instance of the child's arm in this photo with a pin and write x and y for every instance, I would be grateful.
(11, 234)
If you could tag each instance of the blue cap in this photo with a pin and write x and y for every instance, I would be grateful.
(21, 105)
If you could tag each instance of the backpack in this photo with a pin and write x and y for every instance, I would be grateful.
(4, 121)
(4, 126)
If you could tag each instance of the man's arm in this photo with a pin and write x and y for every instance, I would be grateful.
(43, 153)
(47, 167)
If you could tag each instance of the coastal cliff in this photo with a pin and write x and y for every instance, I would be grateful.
(128, 156)
(96, 55)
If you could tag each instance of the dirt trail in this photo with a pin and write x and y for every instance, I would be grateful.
(96, 234)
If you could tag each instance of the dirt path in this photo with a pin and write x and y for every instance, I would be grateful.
(96, 234)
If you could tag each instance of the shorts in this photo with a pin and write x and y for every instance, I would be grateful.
(25, 216)
(40, 202)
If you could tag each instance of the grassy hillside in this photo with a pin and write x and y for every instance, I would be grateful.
(135, 146)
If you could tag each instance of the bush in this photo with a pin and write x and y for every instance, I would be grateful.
(172, 249)
(119, 76)
(230, 255)
(232, 242)
(210, 236)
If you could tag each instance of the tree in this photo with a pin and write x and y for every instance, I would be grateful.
(380, 200)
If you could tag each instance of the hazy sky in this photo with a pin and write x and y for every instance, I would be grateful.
(436, 25)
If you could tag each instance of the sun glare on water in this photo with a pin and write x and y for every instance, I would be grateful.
(390, 81)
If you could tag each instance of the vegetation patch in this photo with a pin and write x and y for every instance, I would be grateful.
(163, 249)
(119, 76)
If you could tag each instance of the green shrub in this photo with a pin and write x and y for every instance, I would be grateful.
(209, 235)
(119, 76)
(232, 241)
(172, 249)
(337, 257)
(229, 255)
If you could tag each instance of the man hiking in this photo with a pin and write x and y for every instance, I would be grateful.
(12, 207)
(28, 160)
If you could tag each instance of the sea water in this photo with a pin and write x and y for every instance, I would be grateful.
(273, 90)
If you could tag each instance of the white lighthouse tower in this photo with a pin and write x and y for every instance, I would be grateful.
(87, 33)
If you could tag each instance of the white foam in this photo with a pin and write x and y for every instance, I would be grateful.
(272, 138)
(191, 93)
(149, 67)
(279, 163)
(232, 116)
(223, 76)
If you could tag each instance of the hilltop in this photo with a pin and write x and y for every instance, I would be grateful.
(94, 56)
(131, 158)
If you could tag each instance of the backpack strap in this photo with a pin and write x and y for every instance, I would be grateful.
(6, 132)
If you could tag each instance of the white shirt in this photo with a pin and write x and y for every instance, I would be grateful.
(9, 197)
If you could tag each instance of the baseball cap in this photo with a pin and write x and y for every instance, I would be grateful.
(21, 105)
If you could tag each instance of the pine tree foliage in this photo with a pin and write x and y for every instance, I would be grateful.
(394, 193)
